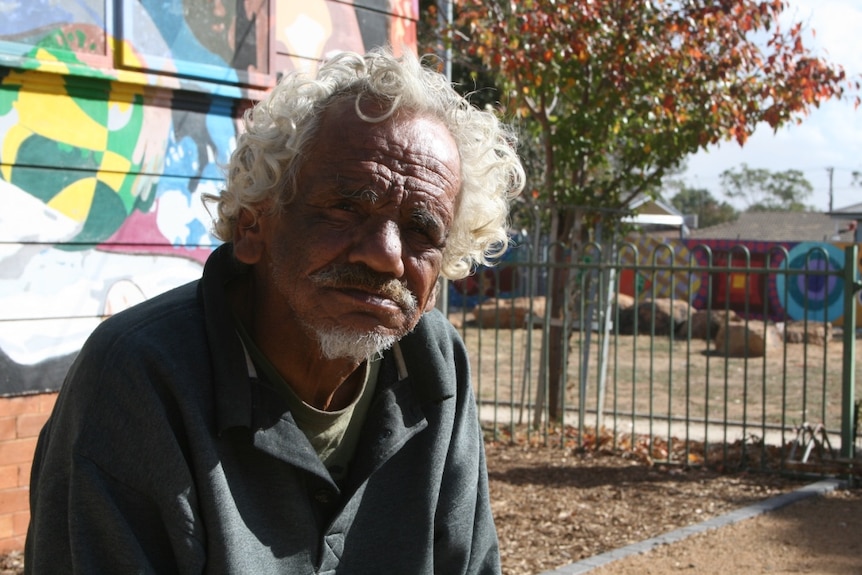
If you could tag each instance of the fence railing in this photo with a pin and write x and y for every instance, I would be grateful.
(692, 354)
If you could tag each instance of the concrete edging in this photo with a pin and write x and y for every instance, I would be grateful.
(590, 563)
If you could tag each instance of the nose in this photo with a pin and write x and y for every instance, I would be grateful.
(378, 246)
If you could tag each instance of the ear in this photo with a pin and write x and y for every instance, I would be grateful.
(249, 239)
(432, 299)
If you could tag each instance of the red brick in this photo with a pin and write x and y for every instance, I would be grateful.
(7, 528)
(8, 427)
(9, 476)
(46, 402)
(17, 450)
(12, 544)
(12, 500)
(18, 405)
(20, 522)
(24, 474)
(30, 424)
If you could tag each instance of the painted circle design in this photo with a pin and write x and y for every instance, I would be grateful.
(805, 285)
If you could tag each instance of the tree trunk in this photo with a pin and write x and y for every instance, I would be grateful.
(560, 257)
(558, 341)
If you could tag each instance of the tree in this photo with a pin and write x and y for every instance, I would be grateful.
(700, 202)
(765, 191)
(615, 93)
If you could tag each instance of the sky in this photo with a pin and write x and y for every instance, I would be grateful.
(829, 137)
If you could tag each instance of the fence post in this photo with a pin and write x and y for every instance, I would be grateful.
(848, 368)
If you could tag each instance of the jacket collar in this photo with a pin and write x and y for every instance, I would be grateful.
(428, 354)
(232, 391)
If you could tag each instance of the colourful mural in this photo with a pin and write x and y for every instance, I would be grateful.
(645, 263)
(805, 281)
(109, 136)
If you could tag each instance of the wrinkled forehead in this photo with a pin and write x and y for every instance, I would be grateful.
(405, 141)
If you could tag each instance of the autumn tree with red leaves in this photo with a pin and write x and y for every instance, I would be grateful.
(615, 93)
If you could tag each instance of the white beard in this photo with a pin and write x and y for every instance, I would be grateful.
(343, 344)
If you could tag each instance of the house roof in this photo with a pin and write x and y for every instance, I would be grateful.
(852, 212)
(649, 211)
(778, 227)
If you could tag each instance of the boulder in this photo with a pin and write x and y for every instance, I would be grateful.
(741, 339)
(811, 332)
(625, 320)
(623, 301)
(706, 323)
(507, 312)
(666, 313)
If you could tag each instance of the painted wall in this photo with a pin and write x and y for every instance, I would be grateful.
(115, 116)
(794, 291)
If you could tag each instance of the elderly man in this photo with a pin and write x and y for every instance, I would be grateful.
(302, 408)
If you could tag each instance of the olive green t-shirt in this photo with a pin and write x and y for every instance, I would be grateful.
(333, 434)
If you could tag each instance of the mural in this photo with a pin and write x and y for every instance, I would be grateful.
(645, 262)
(805, 283)
(219, 40)
(109, 137)
(305, 31)
(780, 281)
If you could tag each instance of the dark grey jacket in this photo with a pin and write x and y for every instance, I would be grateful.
(164, 456)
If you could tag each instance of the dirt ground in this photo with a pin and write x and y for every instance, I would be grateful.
(791, 385)
(554, 507)
(819, 536)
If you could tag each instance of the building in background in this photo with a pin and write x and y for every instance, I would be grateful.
(115, 117)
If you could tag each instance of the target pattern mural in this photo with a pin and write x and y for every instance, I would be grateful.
(810, 291)
(807, 283)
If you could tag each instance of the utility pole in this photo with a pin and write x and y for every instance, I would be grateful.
(831, 172)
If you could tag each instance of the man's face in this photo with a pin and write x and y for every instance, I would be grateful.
(358, 252)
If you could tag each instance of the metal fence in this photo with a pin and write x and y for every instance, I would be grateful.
(695, 356)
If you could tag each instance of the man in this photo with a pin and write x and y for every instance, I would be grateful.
(302, 408)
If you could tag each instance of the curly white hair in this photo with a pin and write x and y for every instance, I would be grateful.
(280, 129)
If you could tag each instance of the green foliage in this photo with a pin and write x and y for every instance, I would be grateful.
(612, 95)
(765, 191)
(700, 201)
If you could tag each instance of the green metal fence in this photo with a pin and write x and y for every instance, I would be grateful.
(689, 360)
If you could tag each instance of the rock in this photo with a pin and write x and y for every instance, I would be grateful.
(812, 332)
(667, 314)
(741, 339)
(507, 312)
(705, 323)
(623, 301)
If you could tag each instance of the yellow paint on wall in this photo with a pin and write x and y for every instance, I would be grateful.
(75, 199)
(45, 57)
(77, 128)
(114, 169)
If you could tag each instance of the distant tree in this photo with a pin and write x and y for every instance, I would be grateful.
(765, 191)
(700, 201)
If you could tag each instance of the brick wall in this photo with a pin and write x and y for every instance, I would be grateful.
(21, 418)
